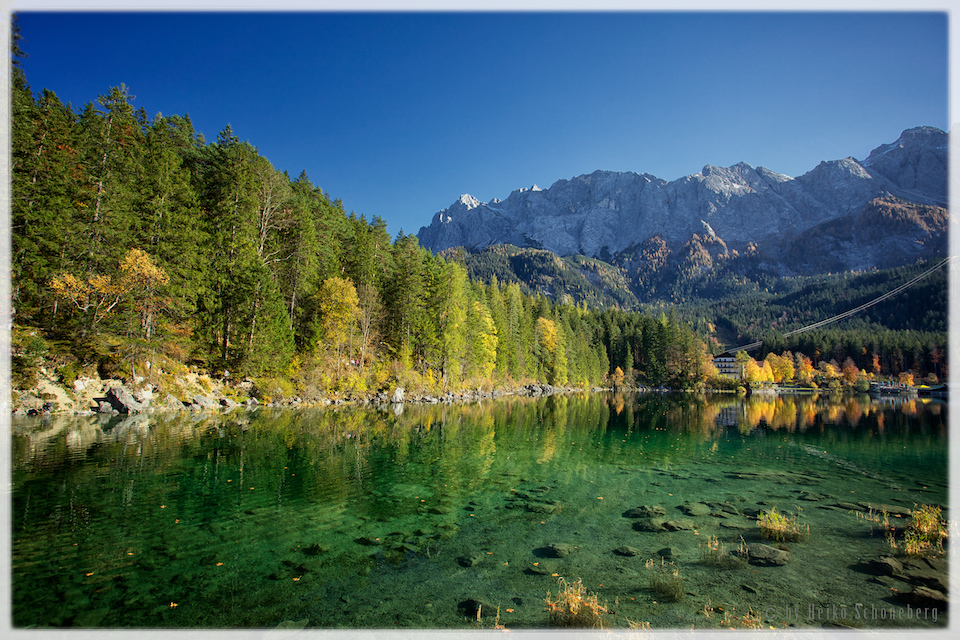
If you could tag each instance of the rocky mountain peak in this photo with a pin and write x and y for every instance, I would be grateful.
(917, 162)
(605, 213)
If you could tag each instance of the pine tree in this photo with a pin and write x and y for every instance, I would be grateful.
(112, 137)
(228, 196)
(405, 296)
(170, 209)
(46, 198)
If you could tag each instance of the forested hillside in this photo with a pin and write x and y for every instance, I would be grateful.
(905, 332)
(735, 301)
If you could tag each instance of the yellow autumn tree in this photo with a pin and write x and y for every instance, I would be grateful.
(143, 280)
(830, 371)
(484, 340)
(339, 309)
(617, 378)
(766, 372)
(551, 348)
(804, 369)
(752, 373)
(97, 295)
(781, 366)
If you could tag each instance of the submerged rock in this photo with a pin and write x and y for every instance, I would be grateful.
(541, 507)
(474, 607)
(928, 578)
(630, 552)
(765, 555)
(649, 525)
(668, 552)
(886, 566)
(314, 549)
(892, 510)
(926, 597)
(645, 512)
(470, 561)
(695, 509)
(558, 550)
(540, 569)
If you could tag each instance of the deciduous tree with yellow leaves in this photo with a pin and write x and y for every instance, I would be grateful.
(140, 281)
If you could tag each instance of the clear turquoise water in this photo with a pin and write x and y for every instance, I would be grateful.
(357, 518)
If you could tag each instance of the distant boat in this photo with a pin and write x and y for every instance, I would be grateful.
(936, 390)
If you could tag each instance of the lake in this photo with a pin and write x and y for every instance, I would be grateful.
(415, 516)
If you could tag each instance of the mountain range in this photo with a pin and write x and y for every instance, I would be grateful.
(884, 211)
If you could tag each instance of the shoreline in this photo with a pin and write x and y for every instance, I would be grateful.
(200, 392)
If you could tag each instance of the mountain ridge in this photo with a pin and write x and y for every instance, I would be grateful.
(603, 213)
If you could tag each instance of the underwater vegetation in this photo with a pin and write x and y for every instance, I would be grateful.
(575, 607)
(713, 552)
(780, 527)
(924, 535)
(665, 580)
(926, 532)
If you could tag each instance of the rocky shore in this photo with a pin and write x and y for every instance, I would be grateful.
(199, 392)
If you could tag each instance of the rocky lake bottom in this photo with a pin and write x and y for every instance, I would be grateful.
(359, 520)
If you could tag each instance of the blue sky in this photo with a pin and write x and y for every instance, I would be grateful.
(398, 114)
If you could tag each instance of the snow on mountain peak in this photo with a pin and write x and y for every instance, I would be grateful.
(469, 201)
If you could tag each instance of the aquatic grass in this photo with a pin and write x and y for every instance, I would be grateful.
(743, 552)
(750, 620)
(667, 583)
(780, 527)
(926, 532)
(575, 607)
(713, 552)
(479, 624)
(882, 518)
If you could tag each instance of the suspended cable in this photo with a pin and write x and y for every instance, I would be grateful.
(846, 314)
(889, 294)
